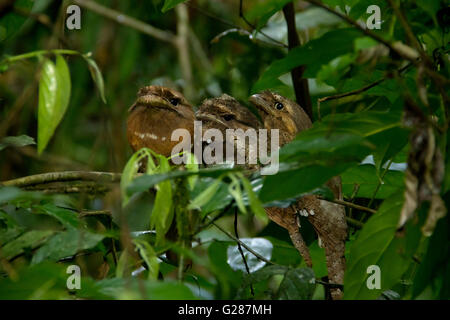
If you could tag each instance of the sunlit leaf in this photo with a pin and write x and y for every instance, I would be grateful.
(97, 76)
(148, 254)
(54, 96)
(169, 4)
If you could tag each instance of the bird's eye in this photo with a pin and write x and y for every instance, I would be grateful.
(228, 117)
(279, 105)
(174, 101)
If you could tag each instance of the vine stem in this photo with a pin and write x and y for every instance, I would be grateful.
(37, 53)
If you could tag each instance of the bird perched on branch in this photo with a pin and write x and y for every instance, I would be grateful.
(223, 113)
(328, 219)
(157, 112)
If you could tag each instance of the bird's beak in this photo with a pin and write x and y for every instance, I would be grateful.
(261, 104)
(153, 100)
(209, 117)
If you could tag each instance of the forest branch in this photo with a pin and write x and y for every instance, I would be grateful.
(401, 49)
(64, 176)
(128, 21)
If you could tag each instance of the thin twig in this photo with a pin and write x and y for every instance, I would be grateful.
(401, 49)
(252, 292)
(256, 254)
(128, 21)
(241, 15)
(351, 205)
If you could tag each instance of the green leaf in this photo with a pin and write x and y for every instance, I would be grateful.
(54, 95)
(30, 239)
(234, 188)
(67, 217)
(18, 141)
(434, 263)
(169, 4)
(254, 202)
(366, 176)
(298, 284)
(263, 10)
(66, 244)
(162, 213)
(331, 45)
(97, 76)
(151, 259)
(206, 195)
(377, 244)
(147, 181)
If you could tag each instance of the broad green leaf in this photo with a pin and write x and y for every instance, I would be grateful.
(147, 181)
(377, 244)
(263, 10)
(54, 95)
(30, 239)
(169, 4)
(66, 244)
(298, 284)
(45, 281)
(67, 217)
(331, 45)
(366, 176)
(148, 254)
(97, 76)
(219, 200)
(294, 183)
(435, 262)
(206, 195)
(18, 141)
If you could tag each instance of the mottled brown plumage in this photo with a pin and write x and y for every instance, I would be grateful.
(157, 112)
(328, 219)
(278, 112)
(223, 113)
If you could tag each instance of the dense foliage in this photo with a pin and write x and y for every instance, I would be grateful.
(380, 105)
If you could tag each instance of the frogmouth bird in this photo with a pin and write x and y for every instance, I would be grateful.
(223, 113)
(227, 113)
(157, 112)
(328, 219)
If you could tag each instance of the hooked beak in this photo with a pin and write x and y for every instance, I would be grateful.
(208, 117)
(154, 101)
(261, 104)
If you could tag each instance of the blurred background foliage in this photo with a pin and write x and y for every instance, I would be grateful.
(360, 137)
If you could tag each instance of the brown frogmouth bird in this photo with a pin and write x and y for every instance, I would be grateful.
(223, 113)
(328, 219)
(227, 113)
(157, 112)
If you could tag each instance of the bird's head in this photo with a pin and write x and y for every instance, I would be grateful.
(163, 98)
(225, 112)
(278, 112)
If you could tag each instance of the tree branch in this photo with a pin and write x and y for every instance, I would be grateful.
(401, 49)
(128, 21)
(105, 177)
(301, 87)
